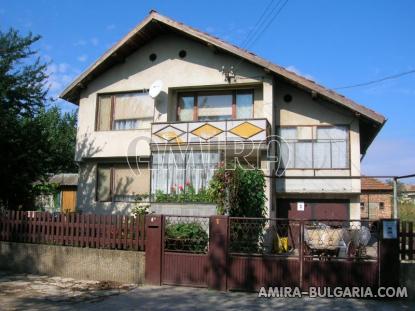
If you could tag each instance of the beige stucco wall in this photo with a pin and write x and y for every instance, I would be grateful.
(201, 68)
(304, 110)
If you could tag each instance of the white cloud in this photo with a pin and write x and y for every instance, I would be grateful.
(60, 75)
(298, 72)
(94, 41)
(80, 43)
(82, 58)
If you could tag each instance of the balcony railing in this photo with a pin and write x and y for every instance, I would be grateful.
(230, 131)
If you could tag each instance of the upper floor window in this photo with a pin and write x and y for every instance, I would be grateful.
(314, 147)
(124, 111)
(214, 106)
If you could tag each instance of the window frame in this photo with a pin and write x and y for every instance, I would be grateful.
(112, 166)
(314, 140)
(113, 103)
(195, 94)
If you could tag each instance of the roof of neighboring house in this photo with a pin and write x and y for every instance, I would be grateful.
(156, 23)
(409, 188)
(371, 184)
(65, 179)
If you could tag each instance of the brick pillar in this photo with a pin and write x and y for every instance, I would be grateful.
(154, 249)
(218, 252)
(389, 263)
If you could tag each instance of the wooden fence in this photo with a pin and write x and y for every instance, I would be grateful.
(406, 243)
(80, 230)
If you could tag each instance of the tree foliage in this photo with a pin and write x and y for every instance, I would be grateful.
(34, 141)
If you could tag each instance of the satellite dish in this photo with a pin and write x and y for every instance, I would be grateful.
(155, 88)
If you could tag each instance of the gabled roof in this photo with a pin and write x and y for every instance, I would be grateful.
(156, 23)
(374, 185)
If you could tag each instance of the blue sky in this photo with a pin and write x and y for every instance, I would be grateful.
(335, 43)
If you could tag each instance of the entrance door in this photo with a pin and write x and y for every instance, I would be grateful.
(68, 201)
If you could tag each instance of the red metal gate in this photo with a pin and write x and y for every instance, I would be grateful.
(185, 256)
(230, 253)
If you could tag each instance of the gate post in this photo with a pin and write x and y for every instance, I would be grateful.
(389, 264)
(154, 249)
(218, 252)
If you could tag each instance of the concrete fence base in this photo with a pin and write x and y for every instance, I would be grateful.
(73, 262)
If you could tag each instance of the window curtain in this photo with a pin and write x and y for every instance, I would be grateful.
(244, 106)
(186, 108)
(130, 182)
(104, 113)
(133, 111)
(335, 151)
(287, 148)
(303, 155)
(321, 154)
(103, 184)
(214, 107)
(171, 170)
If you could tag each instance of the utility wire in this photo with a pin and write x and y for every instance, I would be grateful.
(396, 76)
(268, 19)
(255, 27)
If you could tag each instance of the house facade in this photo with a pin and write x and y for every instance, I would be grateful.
(215, 103)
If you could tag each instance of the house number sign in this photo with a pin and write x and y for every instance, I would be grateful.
(300, 206)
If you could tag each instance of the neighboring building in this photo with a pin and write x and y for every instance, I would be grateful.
(217, 102)
(376, 199)
(408, 194)
(64, 200)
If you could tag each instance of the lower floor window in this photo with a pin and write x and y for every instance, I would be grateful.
(122, 183)
(172, 171)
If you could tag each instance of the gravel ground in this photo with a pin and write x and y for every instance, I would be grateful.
(30, 292)
(34, 292)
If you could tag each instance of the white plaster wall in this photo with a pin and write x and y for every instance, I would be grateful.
(200, 68)
(303, 110)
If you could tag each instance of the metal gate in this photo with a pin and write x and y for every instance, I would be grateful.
(230, 253)
(186, 245)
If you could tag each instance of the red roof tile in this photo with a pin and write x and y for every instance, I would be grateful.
(374, 184)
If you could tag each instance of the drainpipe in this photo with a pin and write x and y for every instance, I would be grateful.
(395, 197)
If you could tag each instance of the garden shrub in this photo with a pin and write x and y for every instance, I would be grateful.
(183, 194)
(238, 191)
(186, 237)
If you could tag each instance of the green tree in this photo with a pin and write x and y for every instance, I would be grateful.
(59, 129)
(33, 141)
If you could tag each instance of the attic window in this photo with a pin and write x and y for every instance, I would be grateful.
(182, 54)
(152, 57)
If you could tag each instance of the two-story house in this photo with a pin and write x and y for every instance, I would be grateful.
(216, 102)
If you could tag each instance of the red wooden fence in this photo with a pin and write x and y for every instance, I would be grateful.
(80, 230)
(406, 245)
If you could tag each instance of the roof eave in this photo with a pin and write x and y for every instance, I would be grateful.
(70, 93)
